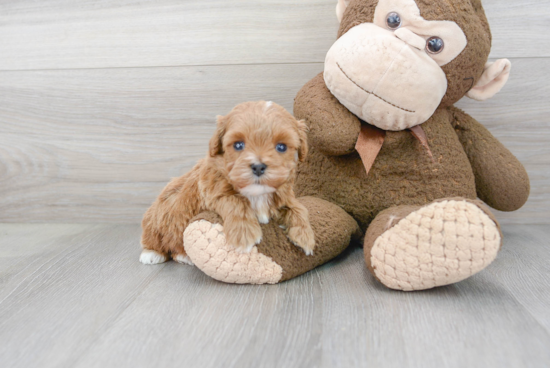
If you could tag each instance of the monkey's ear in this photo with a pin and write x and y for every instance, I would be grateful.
(302, 133)
(492, 80)
(216, 146)
(341, 8)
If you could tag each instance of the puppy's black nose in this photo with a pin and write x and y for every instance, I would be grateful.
(258, 169)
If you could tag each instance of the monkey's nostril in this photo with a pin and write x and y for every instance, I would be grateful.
(258, 169)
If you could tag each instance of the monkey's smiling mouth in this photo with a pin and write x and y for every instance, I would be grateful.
(372, 93)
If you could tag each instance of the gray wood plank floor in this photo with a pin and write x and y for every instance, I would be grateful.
(76, 296)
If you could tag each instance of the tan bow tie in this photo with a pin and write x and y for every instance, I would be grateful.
(371, 139)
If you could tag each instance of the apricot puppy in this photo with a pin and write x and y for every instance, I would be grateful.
(247, 179)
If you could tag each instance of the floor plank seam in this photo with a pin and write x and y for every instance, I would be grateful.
(512, 295)
(170, 66)
(110, 322)
(219, 65)
(66, 252)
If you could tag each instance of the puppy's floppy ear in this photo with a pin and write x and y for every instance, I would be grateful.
(302, 133)
(216, 145)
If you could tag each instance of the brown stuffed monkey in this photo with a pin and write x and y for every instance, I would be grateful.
(391, 160)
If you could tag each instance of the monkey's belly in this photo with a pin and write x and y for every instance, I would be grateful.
(403, 173)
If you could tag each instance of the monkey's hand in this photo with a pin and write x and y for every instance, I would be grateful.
(333, 129)
(501, 180)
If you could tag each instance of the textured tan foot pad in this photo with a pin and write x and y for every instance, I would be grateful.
(440, 244)
(205, 245)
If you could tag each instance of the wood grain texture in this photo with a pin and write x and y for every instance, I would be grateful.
(84, 300)
(62, 286)
(519, 116)
(524, 270)
(99, 145)
(54, 34)
(134, 33)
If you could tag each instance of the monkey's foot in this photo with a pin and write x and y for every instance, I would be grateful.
(206, 246)
(275, 258)
(416, 248)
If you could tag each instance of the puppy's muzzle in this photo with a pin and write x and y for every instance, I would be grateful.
(258, 169)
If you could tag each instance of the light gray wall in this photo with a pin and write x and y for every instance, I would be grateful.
(101, 102)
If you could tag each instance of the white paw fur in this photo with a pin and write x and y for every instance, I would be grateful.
(150, 257)
(248, 248)
(180, 258)
(263, 219)
(244, 250)
(307, 252)
(260, 198)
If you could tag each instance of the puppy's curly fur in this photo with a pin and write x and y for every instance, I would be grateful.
(247, 178)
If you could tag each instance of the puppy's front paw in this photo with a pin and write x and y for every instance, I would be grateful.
(303, 237)
(243, 235)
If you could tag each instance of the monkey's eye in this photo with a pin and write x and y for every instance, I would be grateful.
(435, 45)
(280, 147)
(239, 146)
(393, 20)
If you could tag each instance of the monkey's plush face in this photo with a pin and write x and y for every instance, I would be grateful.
(389, 72)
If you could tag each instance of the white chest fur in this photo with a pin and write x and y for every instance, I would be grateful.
(260, 197)
(260, 204)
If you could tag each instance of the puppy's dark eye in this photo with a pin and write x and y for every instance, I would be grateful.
(280, 147)
(435, 45)
(239, 146)
(393, 20)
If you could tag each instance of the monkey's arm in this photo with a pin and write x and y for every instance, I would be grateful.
(501, 180)
(333, 129)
